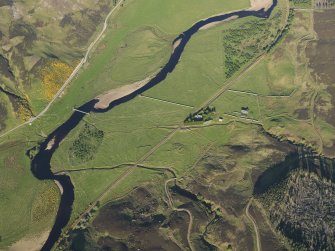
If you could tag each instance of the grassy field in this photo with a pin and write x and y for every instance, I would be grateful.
(184, 148)
(204, 66)
(134, 128)
(279, 89)
(301, 3)
(139, 177)
(118, 44)
(89, 185)
(273, 76)
(28, 205)
(219, 161)
(129, 131)
(232, 102)
(7, 113)
(129, 27)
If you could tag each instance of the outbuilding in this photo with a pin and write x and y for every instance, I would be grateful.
(244, 111)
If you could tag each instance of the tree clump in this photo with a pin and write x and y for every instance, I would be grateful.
(86, 145)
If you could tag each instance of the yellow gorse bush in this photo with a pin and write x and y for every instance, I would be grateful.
(54, 75)
(23, 113)
(45, 204)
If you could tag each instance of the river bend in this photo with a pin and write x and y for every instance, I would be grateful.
(40, 163)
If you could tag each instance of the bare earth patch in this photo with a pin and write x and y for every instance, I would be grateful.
(115, 94)
(210, 25)
(260, 4)
(51, 144)
(60, 187)
(32, 244)
(176, 44)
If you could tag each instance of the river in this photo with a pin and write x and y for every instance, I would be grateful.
(40, 163)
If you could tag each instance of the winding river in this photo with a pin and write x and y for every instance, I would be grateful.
(40, 163)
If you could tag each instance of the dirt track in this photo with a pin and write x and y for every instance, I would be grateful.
(258, 240)
(189, 229)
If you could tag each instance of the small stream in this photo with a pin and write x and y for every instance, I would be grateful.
(40, 163)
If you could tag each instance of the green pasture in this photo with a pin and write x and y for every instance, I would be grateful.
(7, 111)
(273, 76)
(130, 130)
(27, 205)
(203, 65)
(119, 55)
(180, 152)
(301, 3)
(120, 44)
(90, 184)
(232, 102)
(138, 177)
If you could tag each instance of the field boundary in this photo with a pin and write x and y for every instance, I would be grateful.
(166, 101)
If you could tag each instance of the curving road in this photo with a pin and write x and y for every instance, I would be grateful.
(189, 229)
(124, 175)
(258, 239)
(73, 74)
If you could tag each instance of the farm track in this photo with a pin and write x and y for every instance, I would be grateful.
(243, 72)
(261, 95)
(170, 200)
(104, 168)
(313, 116)
(73, 74)
(314, 97)
(252, 220)
(101, 168)
(127, 172)
(231, 82)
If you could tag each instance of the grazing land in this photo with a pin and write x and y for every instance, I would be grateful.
(231, 151)
(52, 65)
(283, 91)
(28, 205)
(301, 3)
